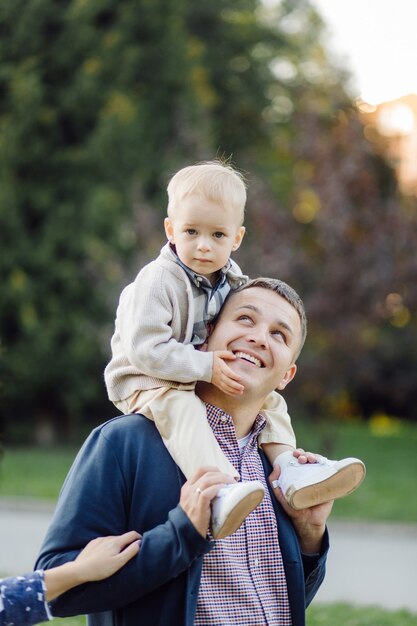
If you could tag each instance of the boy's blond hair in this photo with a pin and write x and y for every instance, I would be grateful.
(216, 181)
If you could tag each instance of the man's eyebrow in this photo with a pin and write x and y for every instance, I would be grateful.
(257, 310)
(252, 307)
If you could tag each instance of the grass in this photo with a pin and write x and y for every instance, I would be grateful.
(69, 621)
(321, 615)
(34, 472)
(347, 615)
(40, 472)
(388, 484)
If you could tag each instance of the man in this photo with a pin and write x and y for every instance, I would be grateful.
(123, 479)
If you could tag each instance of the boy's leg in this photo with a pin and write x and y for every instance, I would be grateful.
(304, 484)
(181, 419)
(124, 405)
(278, 436)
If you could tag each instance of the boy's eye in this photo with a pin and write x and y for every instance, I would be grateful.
(191, 231)
(279, 333)
(218, 234)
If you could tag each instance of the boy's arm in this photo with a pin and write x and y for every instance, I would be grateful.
(149, 316)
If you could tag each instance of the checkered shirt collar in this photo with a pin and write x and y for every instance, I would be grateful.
(217, 417)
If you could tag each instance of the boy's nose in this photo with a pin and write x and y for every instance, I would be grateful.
(204, 245)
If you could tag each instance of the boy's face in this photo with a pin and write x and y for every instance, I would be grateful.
(204, 233)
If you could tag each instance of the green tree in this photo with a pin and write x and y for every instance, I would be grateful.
(324, 211)
(100, 102)
(91, 96)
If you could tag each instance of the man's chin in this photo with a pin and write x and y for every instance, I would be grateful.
(246, 370)
(250, 382)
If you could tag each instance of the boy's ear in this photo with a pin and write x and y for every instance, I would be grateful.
(169, 231)
(238, 238)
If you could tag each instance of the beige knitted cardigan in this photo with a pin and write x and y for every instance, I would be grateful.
(154, 322)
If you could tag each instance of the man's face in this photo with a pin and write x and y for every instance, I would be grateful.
(263, 331)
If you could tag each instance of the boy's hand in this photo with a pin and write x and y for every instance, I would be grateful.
(223, 377)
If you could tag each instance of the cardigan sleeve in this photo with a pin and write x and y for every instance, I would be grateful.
(315, 569)
(151, 322)
(98, 499)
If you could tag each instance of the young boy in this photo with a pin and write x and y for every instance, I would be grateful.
(165, 314)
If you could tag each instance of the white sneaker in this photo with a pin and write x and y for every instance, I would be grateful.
(232, 505)
(309, 484)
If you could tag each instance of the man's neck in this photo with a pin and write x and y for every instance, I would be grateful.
(242, 409)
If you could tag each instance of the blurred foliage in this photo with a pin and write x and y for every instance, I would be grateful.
(101, 101)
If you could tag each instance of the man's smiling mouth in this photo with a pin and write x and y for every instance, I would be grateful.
(250, 358)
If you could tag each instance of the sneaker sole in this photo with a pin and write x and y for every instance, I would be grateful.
(239, 513)
(342, 483)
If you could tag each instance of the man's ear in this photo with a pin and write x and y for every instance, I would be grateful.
(169, 230)
(288, 376)
(238, 238)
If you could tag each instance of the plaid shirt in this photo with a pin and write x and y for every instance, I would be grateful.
(243, 580)
(208, 300)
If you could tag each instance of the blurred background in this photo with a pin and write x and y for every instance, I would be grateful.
(101, 101)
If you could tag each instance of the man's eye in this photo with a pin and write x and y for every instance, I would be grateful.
(218, 234)
(279, 334)
(244, 318)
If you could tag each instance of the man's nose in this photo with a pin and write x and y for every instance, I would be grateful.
(259, 335)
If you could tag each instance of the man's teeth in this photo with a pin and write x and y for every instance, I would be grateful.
(249, 357)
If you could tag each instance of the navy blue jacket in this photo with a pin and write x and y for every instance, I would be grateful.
(124, 479)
